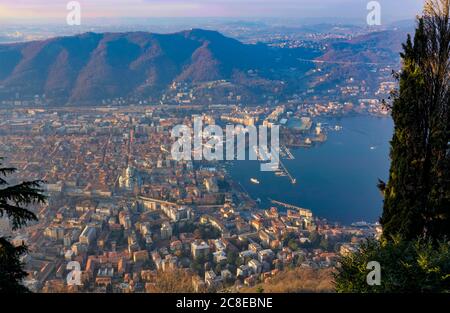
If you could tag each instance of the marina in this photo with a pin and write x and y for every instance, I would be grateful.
(336, 179)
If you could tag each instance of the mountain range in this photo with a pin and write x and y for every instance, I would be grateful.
(90, 67)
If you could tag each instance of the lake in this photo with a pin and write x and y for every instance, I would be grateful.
(337, 179)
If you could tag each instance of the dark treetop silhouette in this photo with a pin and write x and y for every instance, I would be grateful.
(13, 200)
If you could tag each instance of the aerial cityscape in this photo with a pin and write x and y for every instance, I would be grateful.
(90, 111)
(120, 205)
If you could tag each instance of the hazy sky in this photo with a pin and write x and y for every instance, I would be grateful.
(56, 9)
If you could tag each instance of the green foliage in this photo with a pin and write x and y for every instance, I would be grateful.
(11, 272)
(207, 232)
(13, 199)
(201, 231)
(314, 238)
(417, 195)
(406, 266)
(292, 244)
(325, 244)
(232, 257)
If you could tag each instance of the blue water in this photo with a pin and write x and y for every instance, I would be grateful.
(336, 179)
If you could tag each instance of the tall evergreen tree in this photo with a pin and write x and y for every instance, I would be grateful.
(416, 198)
(13, 199)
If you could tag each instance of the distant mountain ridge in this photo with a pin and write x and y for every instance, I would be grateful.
(90, 67)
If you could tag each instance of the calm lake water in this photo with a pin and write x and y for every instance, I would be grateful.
(336, 179)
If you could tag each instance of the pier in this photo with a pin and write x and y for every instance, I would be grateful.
(264, 155)
(302, 211)
(284, 168)
(288, 153)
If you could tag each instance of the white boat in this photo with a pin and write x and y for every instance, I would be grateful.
(254, 181)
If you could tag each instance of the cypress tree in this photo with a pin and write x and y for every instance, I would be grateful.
(416, 198)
